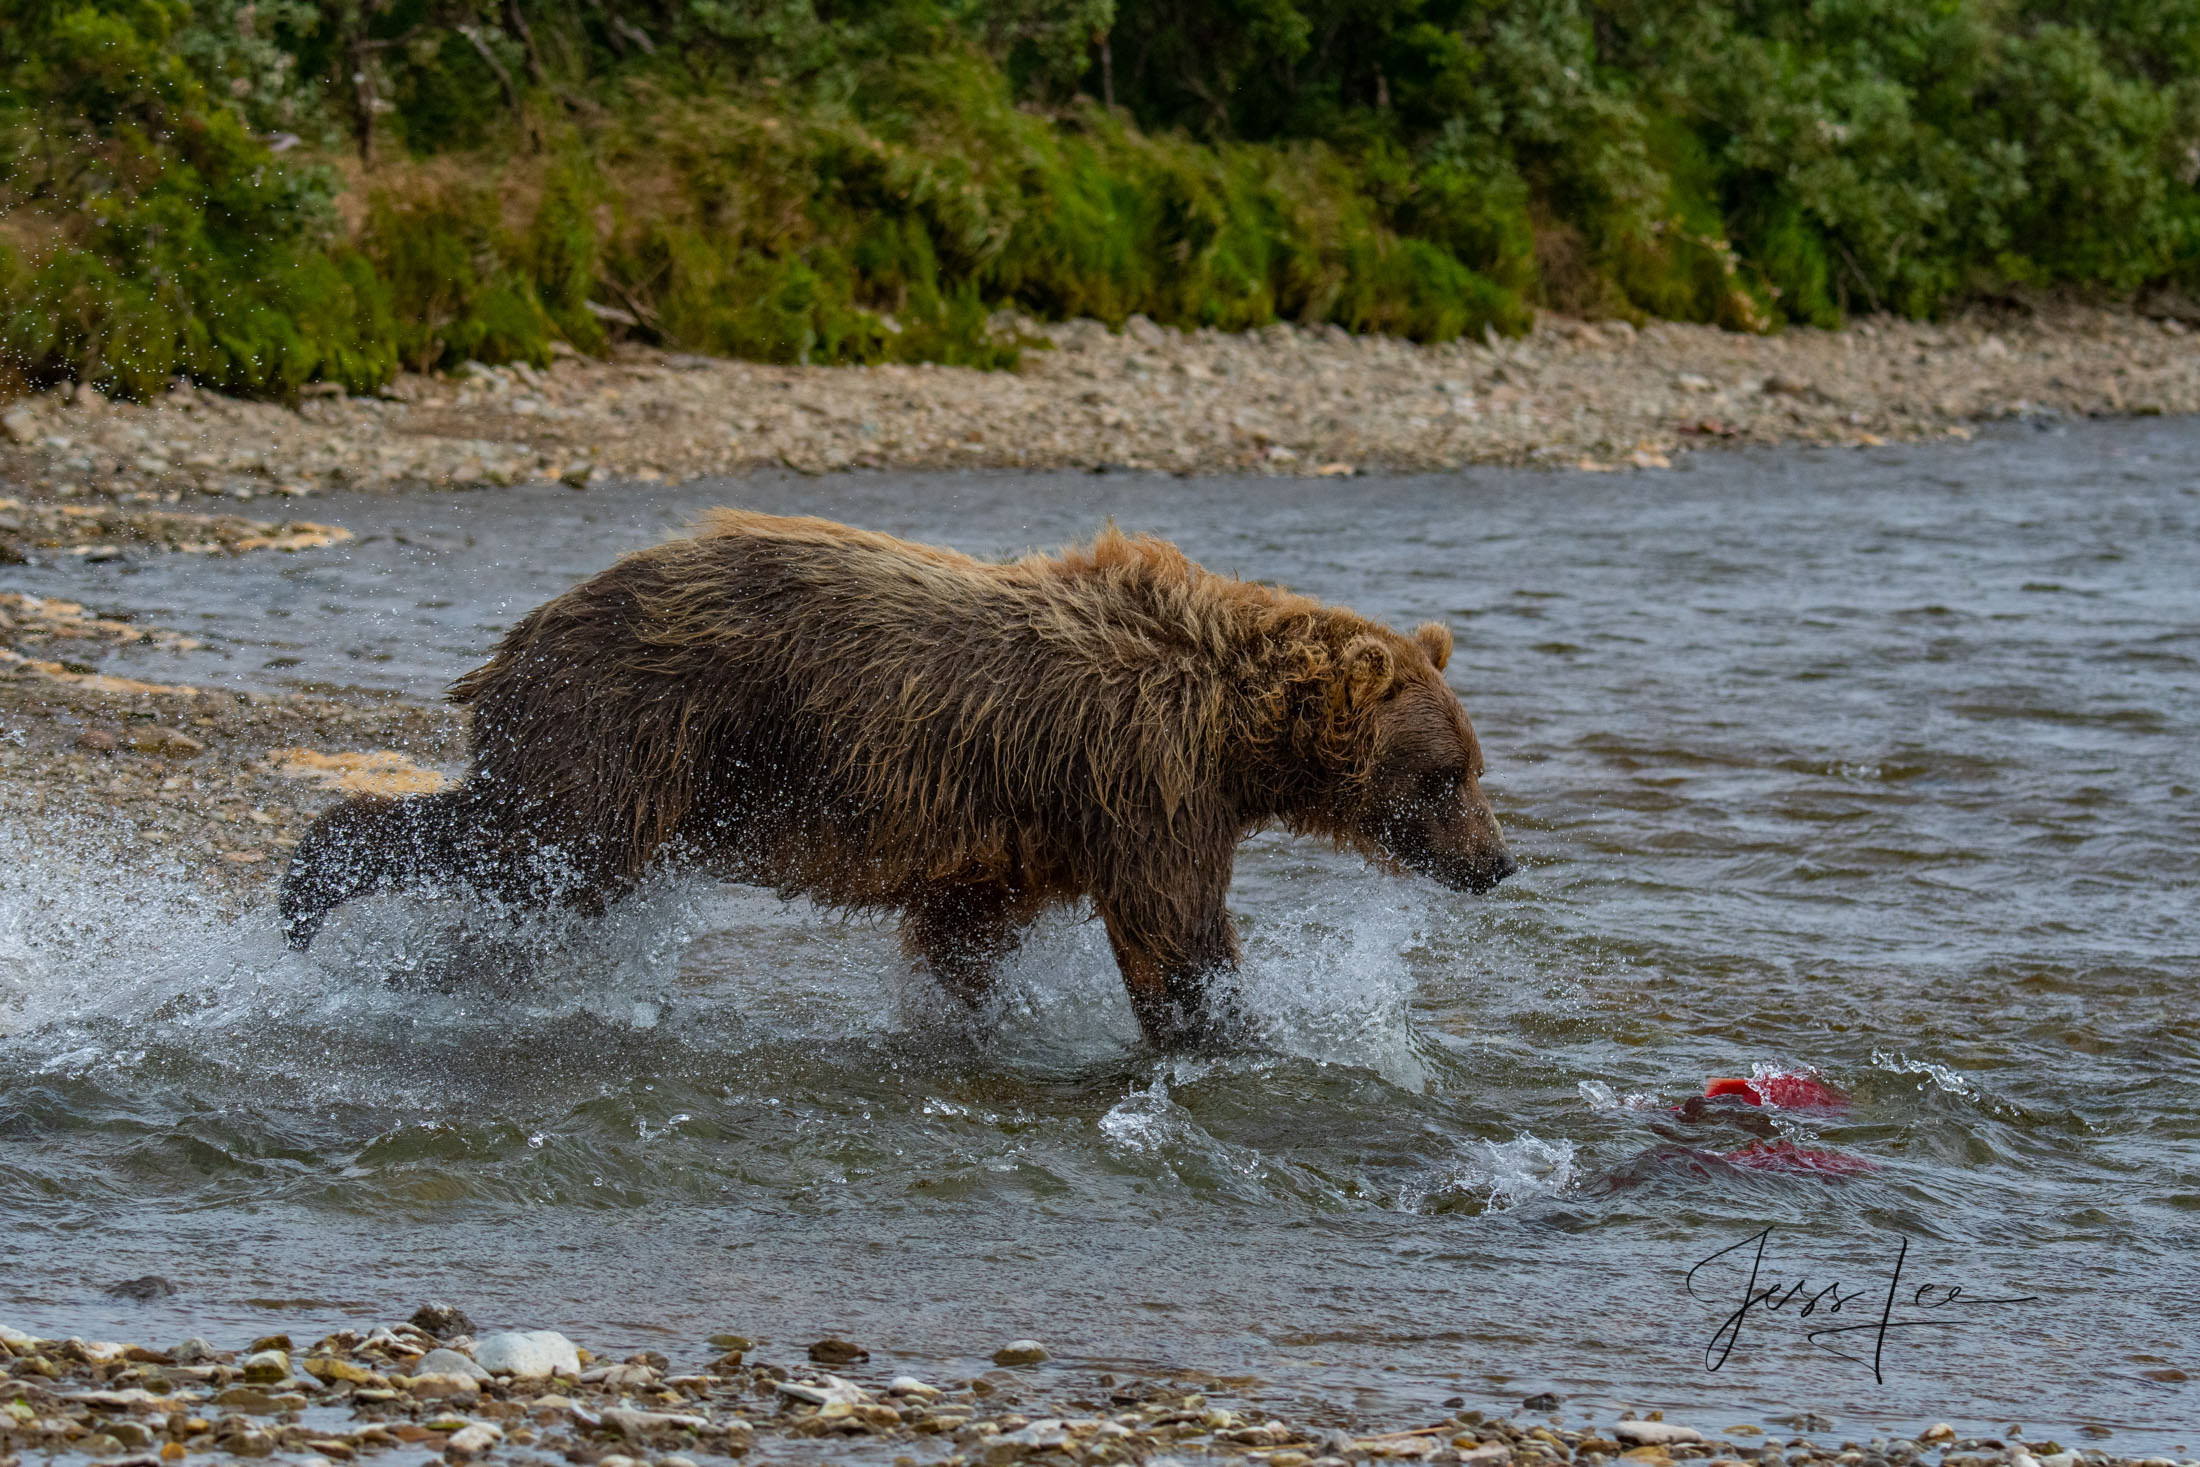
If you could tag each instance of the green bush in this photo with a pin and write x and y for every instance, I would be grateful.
(874, 181)
(162, 236)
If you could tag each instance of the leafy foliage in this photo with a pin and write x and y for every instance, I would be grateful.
(1870, 153)
(258, 192)
(147, 232)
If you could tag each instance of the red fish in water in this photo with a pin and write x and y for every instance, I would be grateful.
(1779, 1157)
(1786, 1156)
(1781, 1091)
(1743, 1105)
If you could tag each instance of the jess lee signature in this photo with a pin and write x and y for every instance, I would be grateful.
(1868, 1310)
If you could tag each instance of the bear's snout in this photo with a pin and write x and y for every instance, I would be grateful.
(1476, 868)
(1457, 843)
(1484, 876)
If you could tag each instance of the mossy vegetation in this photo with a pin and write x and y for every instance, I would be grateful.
(256, 193)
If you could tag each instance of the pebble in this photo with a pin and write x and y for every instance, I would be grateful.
(837, 1352)
(640, 1424)
(168, 743)
(1655, 1434)
(72, 1392)
(473, 1439)
(42, 530)
(1025, 1441)
(334, 1369)
(265, 1366)
(629, 1376)
(1021, 1352)
(440, 1386)
(528, 1355)
(833, 1389)
(442, 1321)
(448, 1362)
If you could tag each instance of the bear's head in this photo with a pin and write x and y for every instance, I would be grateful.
(1416, 792)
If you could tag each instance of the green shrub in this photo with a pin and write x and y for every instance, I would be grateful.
(455, 289)
(875, 180)
(172, 240)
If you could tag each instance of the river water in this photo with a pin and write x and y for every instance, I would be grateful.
(1876, 764)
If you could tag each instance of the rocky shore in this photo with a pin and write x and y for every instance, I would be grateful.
(1282, 400)
(213, 785)
(434, 1386)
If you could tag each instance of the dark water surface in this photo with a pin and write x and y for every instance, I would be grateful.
(1879, 763)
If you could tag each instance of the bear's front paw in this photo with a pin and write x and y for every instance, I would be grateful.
(1191, 1029)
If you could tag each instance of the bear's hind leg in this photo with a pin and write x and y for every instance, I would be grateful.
(366, 843)
(961, 934)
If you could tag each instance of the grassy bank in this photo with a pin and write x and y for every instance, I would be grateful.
(256, 195)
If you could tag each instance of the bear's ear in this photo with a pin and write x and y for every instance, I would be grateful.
(1367, 668)
(1435, 640)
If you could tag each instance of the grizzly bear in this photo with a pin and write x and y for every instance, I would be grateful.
(882, 725)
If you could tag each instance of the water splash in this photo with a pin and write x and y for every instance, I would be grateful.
(86, 932)
(1599, 1096)
(1494, 1176)
(1331, 981)
(150, 981)
(1148, 1120)
(1149, 1132)
(1943, 1077)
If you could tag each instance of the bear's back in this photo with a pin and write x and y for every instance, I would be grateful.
(875, 673)
(846, 712)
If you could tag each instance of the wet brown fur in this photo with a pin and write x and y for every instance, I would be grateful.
(878, 724)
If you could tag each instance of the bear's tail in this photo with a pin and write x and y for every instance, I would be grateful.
(367, 843)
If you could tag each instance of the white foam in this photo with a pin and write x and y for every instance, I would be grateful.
(1599, 1096)
(1942, 1076)
(1499, 1174)
(1148, 1121)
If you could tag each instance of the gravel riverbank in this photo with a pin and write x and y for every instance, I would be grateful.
(1282, 400)
(213, 786)
(432, 1387)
